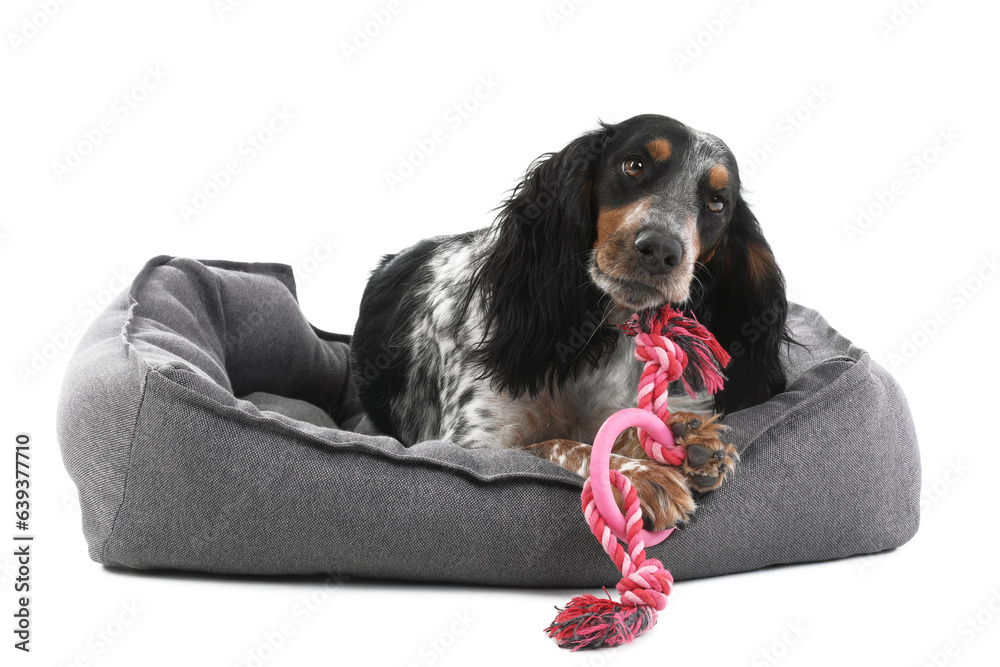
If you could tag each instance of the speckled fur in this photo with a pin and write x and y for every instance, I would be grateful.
(448, 400)
(476, 338)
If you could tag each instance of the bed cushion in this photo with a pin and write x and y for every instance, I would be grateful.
(209, 427)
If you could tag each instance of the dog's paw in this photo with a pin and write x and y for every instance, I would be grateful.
(709, 458)
(663, 492)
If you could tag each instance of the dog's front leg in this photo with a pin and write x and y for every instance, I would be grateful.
(664, 492)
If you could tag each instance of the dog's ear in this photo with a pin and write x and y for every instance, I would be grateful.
(543, 315)
(739, 294)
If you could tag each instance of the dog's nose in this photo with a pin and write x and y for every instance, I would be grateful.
(658, 253)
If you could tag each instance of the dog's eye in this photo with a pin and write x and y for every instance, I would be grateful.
(632, 166)
(715, 204)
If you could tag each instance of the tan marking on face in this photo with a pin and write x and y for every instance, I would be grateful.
(610, 221)
(718, 177)
(660, 149)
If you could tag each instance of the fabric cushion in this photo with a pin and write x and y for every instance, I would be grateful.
(208, 426)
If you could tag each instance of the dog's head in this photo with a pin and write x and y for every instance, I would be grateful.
(663, 194)
(640, 213)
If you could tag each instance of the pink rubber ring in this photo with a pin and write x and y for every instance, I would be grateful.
(600, 456)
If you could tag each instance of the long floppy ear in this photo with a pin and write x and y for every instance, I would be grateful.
(543, 315)
(741, 299)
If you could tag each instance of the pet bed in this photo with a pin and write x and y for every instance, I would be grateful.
(209, 427)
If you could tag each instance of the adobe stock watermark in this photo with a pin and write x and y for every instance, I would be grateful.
(864, 563)
(56, 342)
(541, 549)
(453, 118)
(31, 25)
(98, 642)
(899, 15)
(206, 537)
(956, 299)
(432, 650)
(323, 250)
(377, 22)
(932, 494)
(387, 358)
(218, 180)
(223, 8)
(710, 31)
(966, 631)
(786, 127)
(302, 611)
(778, 650)
(756, 327)
(552, 184)
(579, 336)
(123, 106)
(601, 658)
(8, 569)
(71, 502)
(911, 171)
(563, 11)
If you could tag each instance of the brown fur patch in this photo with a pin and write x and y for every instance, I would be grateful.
(660, 149)
(523, 421)
(706, 432)
(664, 493)
(627, 444)
(718, 177)
(574, 456)
(610, 221)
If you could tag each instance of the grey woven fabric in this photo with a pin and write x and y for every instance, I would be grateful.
(175, 471)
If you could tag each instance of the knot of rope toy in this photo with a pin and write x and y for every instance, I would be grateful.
(645, 583)
(592, 622)
(673, 348)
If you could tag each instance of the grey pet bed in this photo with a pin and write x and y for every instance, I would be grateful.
(209, 427)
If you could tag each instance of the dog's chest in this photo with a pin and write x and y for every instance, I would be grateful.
(576, 411)
(603, 390)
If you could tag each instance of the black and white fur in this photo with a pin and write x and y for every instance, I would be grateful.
(505, 336)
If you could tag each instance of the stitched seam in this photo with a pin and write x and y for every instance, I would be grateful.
(128, 467)
(793, 413)
(133, 354)
(280, 428)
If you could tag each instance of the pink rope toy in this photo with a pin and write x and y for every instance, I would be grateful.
(673, 347)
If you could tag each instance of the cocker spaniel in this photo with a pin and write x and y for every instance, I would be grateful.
(506, 336)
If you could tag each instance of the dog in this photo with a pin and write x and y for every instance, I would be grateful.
(506, 336)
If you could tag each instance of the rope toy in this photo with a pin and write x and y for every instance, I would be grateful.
(672, 347)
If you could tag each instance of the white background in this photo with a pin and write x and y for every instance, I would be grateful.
(65, 237)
